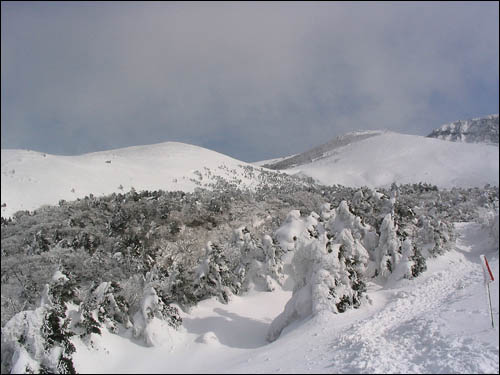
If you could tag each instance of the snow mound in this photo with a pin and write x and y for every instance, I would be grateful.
(208, 338)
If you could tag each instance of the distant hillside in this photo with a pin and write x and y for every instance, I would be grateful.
(365, 158)
(321, 151)
(31, 179)
(379, 158)
(477, 130)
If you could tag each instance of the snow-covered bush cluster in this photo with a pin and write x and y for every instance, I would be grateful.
(38, 341)
(335, 252)
(127, 262)
(380, 235)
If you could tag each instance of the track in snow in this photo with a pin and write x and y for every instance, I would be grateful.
(438, 325)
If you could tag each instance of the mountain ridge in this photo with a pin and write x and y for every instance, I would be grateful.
(322, 150)
(373, 158)
(476, 130)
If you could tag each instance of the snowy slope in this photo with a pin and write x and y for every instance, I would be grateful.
(321, 151)
(31, 179)
(476, 130)
(387, 157)
(436, 323)
(271, 161)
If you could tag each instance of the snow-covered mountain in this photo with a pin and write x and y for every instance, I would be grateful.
(31, 179)
(150, 250)
(378, 158)
(367, 158)
(476, 130)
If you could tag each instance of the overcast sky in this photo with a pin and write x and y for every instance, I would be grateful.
(250, 80)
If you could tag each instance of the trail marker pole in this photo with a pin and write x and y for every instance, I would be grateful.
(488, 278)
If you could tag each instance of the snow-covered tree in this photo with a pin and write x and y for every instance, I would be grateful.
(327, 269)
(213, 276)
(434, 235)
(388, 251)
(154, 317)
(104, 305)
(411, 264)
(273, 261)
(39, 340)
(260, 260)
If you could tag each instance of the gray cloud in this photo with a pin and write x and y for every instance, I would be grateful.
(251, 80)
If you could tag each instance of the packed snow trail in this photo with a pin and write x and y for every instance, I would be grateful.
(436, 323)
(412, 333)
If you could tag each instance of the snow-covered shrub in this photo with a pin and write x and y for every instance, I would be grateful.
(213, 276)
(105, 305)
(134, 305)
(494, 228)
(411, 263)
(388, 251)
(175, 281)
(23, 345)
(328, 267)
(39, 340)
(86, 324)
(153, 317)
(122, 237)
(260, 266)
(371, 206)
(57, 342)
(489, 219)
(434, 236)
(295, 227)
(342, 217)
(273, 262)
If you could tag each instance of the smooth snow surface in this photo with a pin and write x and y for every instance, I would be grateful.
(31, 179)
(436, 323)
(391, 157)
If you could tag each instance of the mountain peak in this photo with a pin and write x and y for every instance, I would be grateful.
(476, 130)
